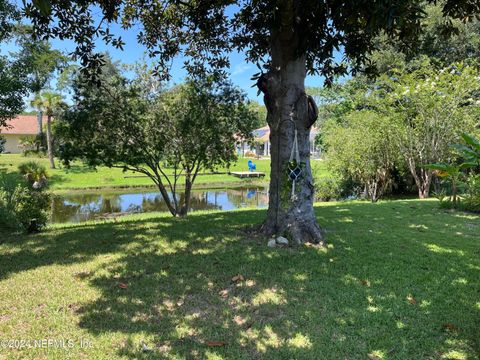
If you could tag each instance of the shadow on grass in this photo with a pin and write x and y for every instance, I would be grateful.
(399, 280)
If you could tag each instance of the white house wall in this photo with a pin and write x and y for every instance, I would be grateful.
(12, 144)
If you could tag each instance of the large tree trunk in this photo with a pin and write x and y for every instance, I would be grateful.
(50, 142)
(285, 99)
(423, 181)
(422, 177)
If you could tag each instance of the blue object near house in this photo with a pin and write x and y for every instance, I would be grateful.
(251, 165)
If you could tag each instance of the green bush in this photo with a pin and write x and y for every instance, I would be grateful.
(33, 144)
(22, 207)
(2, 143)
(327, 188)
(472, 196)
(34, 172)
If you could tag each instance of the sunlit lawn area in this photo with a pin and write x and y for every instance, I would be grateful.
(80, 176)
(399, 280)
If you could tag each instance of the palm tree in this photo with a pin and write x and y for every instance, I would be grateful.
(49, 103)
(37, 104)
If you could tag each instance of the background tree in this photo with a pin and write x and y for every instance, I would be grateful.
(444, 41)
(50, 103)
(8, 15)
(290, 38)
(13, 88)
(13, 77)
(261, 113)
(167, 137)
(362, 149)
(430, 109)
(40, 61)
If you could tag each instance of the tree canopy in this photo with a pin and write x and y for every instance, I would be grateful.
(167, 136)
(27, 70)
(444, 41)
(13, 82)
(38, 57)
(422, 114)
(205, 31)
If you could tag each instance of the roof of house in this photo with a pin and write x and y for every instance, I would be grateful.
(262, 134)
(21, 125)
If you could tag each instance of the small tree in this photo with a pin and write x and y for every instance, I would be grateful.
(168, 137)
(50, 103)
(469, 153)
(40, 60)
(362, 149)
(430, 109)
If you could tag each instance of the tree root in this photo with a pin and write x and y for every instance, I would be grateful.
(298, 231)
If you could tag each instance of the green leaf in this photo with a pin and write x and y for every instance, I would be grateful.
(468, 165)
(441, 167)
(44, 6)
(470, 140)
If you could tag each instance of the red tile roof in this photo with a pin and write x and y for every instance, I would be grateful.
(21, 125)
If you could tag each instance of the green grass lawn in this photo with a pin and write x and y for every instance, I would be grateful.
(399, 280)
(80, 176)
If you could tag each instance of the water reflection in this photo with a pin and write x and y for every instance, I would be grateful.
(80, 207)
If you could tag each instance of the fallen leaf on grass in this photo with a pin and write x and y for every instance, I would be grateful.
(223, 293)
(215, 343)
(238, 278)
(373, 357)
(123, 286)
(412, 300)
(449, 326)
(239, 320)
(365, 282)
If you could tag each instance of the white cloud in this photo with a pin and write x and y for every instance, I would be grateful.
(241, 68)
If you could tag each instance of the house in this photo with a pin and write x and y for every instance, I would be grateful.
(261, 143)
(17, 128)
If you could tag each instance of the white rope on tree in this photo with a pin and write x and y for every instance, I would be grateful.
(294, 171)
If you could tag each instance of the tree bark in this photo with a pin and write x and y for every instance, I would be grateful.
(423, 182)
(50, 142)
(422, 177)
(188, 192)
(40, 130)
(165, 197)
(287, 110)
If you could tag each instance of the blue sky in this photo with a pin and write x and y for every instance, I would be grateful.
(240, 70)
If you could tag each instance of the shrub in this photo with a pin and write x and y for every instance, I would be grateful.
(34, 173)
(22, 207)
(327, 188)
(472, 196)
(361, 150)
(33, 144)
(2, 143)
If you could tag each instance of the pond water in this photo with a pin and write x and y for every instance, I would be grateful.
(78, 207)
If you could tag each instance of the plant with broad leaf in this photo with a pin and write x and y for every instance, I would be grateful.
(470, 151)
(453, 173)
(470, 154)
